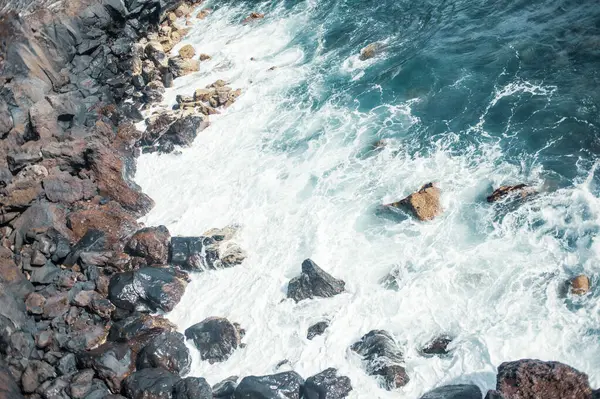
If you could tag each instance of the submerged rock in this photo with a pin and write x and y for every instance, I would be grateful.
(215, 337)
(370, 51)
(167, 351)
(327, 385)
(424, 204)
(383, 357)
(520, 190)
(462, 391)
(276, 386)
(253, 17)
(152, 383)
(580, 285)
(314, 282)
(317, 329)
(438, 346)
(192, 388)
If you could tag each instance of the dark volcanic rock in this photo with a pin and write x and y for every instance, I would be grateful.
(147, 290)
(137, 324)
(192, 388)
(183, 131)
(327, 385)
(314, 282)
(65, 188)
(151, 243)
(530, 378)
(438, 346)
(226, 388)
(317, 329)
(383, 357)
(168, 351)
(81, 383)
(276, 386)
(150, 383)
(112, 363)
(110, 218)
(215, 337)
(521, 190)
(8, 387)
(35, 374)
(454, 392)
(194, 252)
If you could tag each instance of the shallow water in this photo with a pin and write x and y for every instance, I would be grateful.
(470, 95)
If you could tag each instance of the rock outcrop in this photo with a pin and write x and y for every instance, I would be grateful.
(424, 204)
(314, 282)
(215, 337)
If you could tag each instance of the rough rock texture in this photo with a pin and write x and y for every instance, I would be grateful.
(317, 329)
(424, 204)
(192, 388)
(226, 388)
(276, 386)
(194, 252)
(138, 324)
(327, 385)
(187, 51)
(370, 51)
(152, 383)
(152, 244)
(454, 392)
(438, 346)
(314, 282)
(167, 351)
(111, 362)
(580, 285)
(216, 338)
(519, 191)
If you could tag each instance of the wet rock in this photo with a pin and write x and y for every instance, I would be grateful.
(187, 51)
(147, 290)
(530, 378)
(462, 391)
(580, 285)
(153, 92)
(111, 362)
(182, 11)
(150, 383)
(167, 81)
(317, 329)
(194, 252)
(192, 388)
(327, 385)
(151, 243)
(92, 241)
(202, 14)
(254, 16)
(167, 351)
(370, 51)
(519, 190)
(232, 255)
(35, 303)
(226, 388)
(424, 204)
(496, 395)
(35, 374)
(276, 386)
(138, 324)
(157, 126)
(314, 282)
(438, 346)
(183, 131)
(81, 384)
(181, 67)
(216, 338)
(383, 357)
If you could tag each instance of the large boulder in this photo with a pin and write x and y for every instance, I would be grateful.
(187, 51)
(317, 329)
(383, 358)
(192, 388)
(530, 378)
(215, 337)
(167, 351)
(424, 204)
(327, 385)
(111, 362)
(462, 391)
(152, 244)
(110, 218)
(277, 386)
(152, 383)
(437, 347)
(180, 67)
(147, 290)
(138, 324)
(194, 252)
(64, 188)
(314, 282)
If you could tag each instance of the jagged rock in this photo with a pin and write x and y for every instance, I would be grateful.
(226, 388)
(54, 388)
(67, 364)
(181, 67)
(153, 92)
(8, 387)
(35, 303)
(580, 285)
(92, 241)
(383, 358)
(314, 282)
(194, 252)
(204, 57)
(138, 324)
(35, 374)
(167, 351)
(277, 386)
(192, 388)
(327, 385)
(41, 216)
(46, 274)
(370, 51)
(317, 329)
(19, 158)
(156, 126)
(64, 188)
(183, 131)
(530, 378)
(462, 391)
(187, 51)
(12, 278)
(232, 255)
(216, 338)
(424, 204)
(81, 383)
(151, 243)
(147, 290)
(152, 383)
(438, 346)
(520, 190)
(111, 362)
(253, 17)
(111, 218)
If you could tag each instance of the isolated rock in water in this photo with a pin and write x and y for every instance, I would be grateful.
(383, 357)
(424, 204)
(187, 51)
(194, 252)
(137, 324)
(146, 290)
(317, 329)
(112, 363)
(226, 388)
(204, 57)
(154, 383)
(520, 190)
(462, 391)
(327, 385)
(215, 337)
(580, 285)
(314, 282)
(370, 51)
(151, 243)
(530, 378)
(192, 388)
(276, 386)
(167, 351)
(253, 17)
(438, 346)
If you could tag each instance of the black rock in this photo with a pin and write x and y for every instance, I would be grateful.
(8, 386)
(168, 79)
(438, 346)
(226, 388)
(184, 131)
(168, 351)
(216, 338)
(81, 384)
(314, 282)
(462, 391)
(46, 274)
(327, 385)
(67, 364)
(317, 329)
(130, 111)
(137, 324)
(383, 357)
(92, 241)
(35, 374)
(497, 395)
(55, 389)
(276, 386)
(112, 363)
(150, 383)
(194, 252)
(192, 388)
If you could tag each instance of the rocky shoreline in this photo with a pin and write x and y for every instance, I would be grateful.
(80, 278)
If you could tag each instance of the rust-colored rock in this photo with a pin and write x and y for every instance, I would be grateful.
(202, 14)
(580, 285)
(204, 57)
(370, 51)
(521, 190)
(151, 243)
(424, 204)
(187, 52)
(253, 17)
(109, 218)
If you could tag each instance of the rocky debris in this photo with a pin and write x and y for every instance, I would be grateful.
(216, 338)
(530, 378)
(111, 362)
(110, 218)
(187, 51)
(518, 191)
(152, 244)
(35, 374)
(202, 14)
(317, 329)
(370, 51)
(580, 285)
(168, 129)
(313, 282)
(424, 204)
(35, 303)
(8, 386)
(81, 384)
(192, 388)
(383, 357)
(327, 385)
(438, 346)
(454, 392)
(151, 383)
(226, 388)
(254, 16)
(282, 385)
(167, 351)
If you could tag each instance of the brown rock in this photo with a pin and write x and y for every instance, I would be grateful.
(12, 278)
(424, 204)
(187, 52)
(253, 17)
(56, 306)
(182, 11)
(35, 374)
(204, 57)
(40, 217)
(438, 346)
(204, 94)
(202, 14)
(580, 285)
(151, 243)
(180, 67)
(62, 187)
(84, 298)
(520, 189)
(112, 363)
(370, 51)
(110, 218)
(35, 303)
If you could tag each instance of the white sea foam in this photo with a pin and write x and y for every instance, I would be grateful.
(294, 178)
